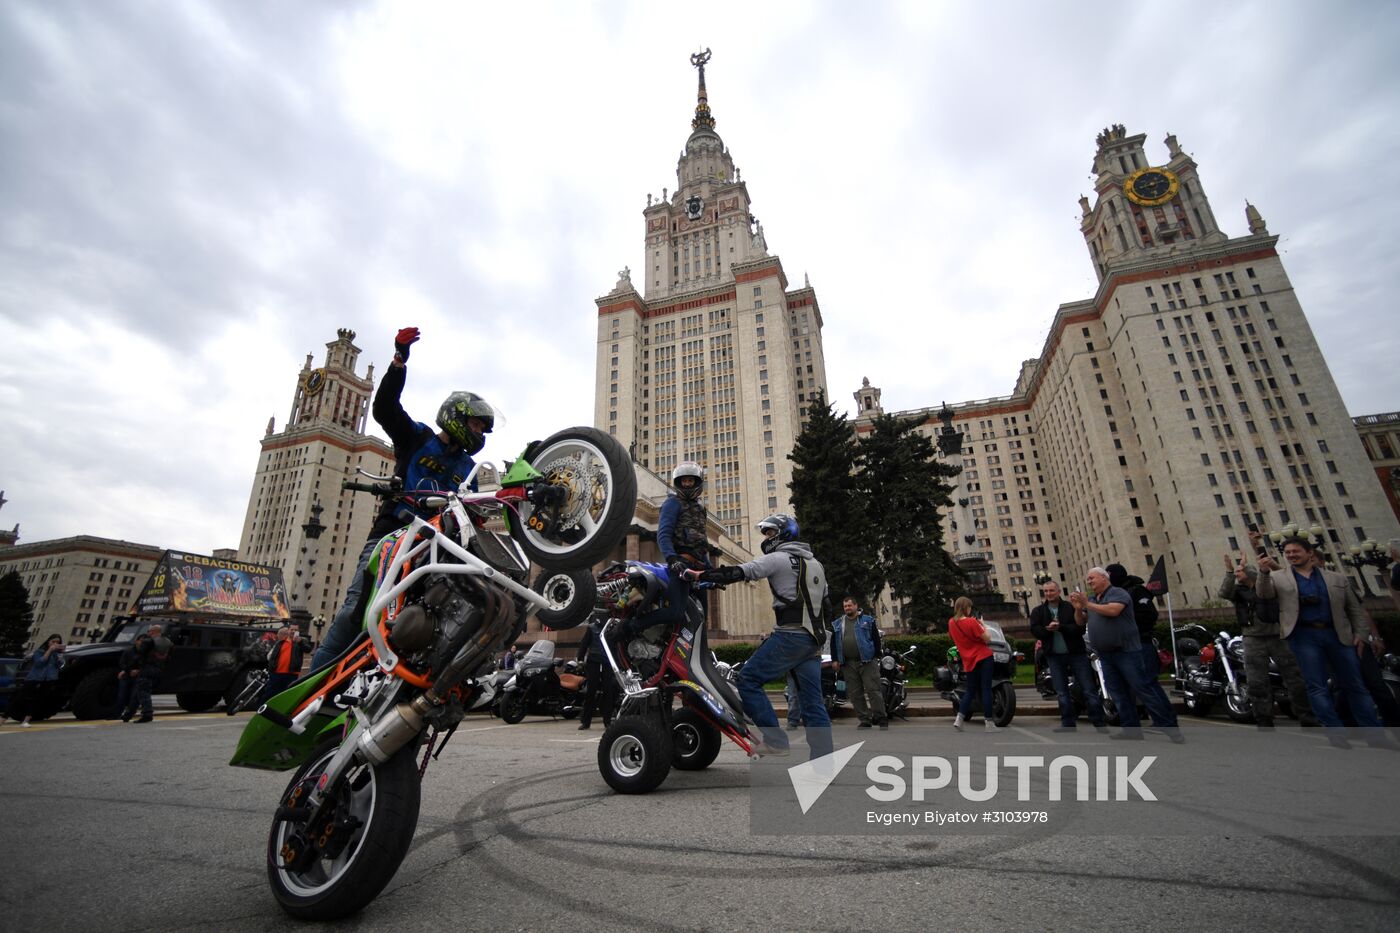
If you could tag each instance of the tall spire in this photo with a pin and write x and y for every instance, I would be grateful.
(703, 118)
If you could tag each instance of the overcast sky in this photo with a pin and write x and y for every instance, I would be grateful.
(194, 195)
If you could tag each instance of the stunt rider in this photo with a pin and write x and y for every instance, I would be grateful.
(798, 583)
(680, 528)
(424, 459)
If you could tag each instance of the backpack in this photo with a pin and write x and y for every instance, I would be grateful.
(1144, 610)
(812, 596)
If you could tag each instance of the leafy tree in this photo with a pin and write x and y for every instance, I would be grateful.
(16, 615)
(827, 497)
(904, 485)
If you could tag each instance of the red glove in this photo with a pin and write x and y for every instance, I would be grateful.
(405, 338)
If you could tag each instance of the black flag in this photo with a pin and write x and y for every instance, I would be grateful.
(1157, 583)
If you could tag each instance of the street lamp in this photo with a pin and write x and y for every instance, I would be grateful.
(320, 623)
(1368, 553)
(1024, 595)
(1042, 578)
(1316, 536)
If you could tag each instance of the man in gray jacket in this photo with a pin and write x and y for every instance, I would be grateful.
(798, 583)
(1321, 619)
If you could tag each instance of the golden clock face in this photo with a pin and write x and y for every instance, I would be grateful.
(1151, 186)
(315, 381)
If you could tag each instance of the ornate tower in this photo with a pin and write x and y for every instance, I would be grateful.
(718, 360)
(332, 392)
(1143, 211)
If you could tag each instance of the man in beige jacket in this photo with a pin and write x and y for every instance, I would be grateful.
(1321, 619)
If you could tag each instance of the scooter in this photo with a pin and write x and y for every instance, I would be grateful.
(951, 679)
(543, 686)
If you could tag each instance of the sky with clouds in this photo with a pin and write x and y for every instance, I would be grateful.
(194, 195)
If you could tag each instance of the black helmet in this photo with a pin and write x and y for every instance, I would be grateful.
(784, 526)
(692, 470)
(454, 417)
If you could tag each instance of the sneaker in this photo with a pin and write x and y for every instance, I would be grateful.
(864, 725)
(145, 719)
(24, 725)
(1338, 741)
(583, 725)
(1174, 733)
(958, 722)
(761, 749)
(1101, 728)
(794, 726)
(990, 726)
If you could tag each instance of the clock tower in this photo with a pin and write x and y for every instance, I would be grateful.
(1143, 211)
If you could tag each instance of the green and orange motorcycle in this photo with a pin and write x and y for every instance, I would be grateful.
(442, 598)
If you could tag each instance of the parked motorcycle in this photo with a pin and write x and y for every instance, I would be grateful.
(892, 666)
(647, 737)
(543, 686)
(1220, 676)
(833, 685)
(951, 679)
(442, 598)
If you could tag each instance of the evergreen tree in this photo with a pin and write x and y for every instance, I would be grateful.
(904, 485)
(16, 615)
(830, 507)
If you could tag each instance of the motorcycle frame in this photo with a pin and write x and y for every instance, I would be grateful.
(675, 660)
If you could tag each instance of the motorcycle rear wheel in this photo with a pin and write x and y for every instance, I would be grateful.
(597, 473)
(386, 798)
(696, 741)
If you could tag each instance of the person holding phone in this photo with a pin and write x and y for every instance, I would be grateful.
(39, 682)
(973, 642)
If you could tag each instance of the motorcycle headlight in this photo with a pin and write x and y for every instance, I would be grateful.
(1001, 656)
(887, 663)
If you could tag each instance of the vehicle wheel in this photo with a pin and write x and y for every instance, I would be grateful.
(571, 712)
(1110, 712)
(1237, 705)
(197, 701)
(384, 801)
(597, 473)
(571, 594)
(95, 697)
(1003, 704)
(512, 708)
(696, 741)
(635, 754)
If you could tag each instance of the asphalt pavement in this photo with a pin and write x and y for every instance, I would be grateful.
(125, 827)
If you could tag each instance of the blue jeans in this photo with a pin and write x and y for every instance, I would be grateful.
(1060, 667)
(794, 713)
(1127, 683)
(1151, 667)
(781, 653)
(346, 624)
(978, 683)
(1318, 649)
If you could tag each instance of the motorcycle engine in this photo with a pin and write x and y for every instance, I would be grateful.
(426, 630)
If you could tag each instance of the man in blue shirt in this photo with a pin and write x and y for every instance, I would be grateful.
(1321, 619)
(855, 647)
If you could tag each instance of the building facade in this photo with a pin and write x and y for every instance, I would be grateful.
(1183, 403)
(78, 585)
(298, 517)
(1380, 436)
(716, 360)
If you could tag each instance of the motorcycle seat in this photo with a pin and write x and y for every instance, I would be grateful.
(571, 682)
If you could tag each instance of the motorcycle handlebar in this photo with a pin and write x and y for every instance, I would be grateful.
(378, 489)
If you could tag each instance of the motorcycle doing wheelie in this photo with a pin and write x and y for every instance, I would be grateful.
(443, 596)
(654, 669)
(951, 679)
(542, 685)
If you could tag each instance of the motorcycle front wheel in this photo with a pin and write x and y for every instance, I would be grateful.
(1003, 703)
(377, 806)
(512, 708)
(596, 472)
(1237, 705)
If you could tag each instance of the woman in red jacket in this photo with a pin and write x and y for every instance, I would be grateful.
(971, 638)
